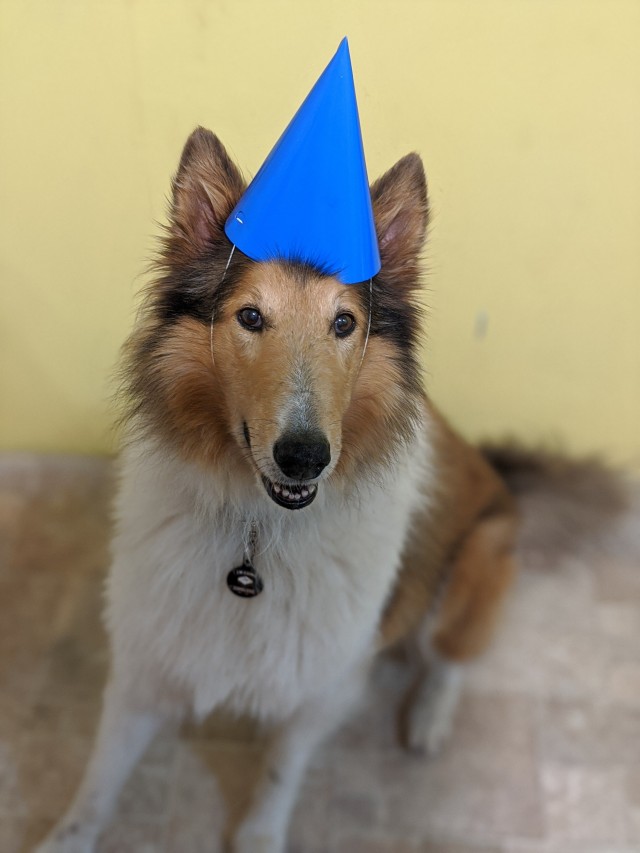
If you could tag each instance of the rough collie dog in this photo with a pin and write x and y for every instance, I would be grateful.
(277, 419)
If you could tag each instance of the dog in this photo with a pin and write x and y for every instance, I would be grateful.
(280, 445)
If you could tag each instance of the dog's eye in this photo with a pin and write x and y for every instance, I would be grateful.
(344, 324)
(251, 319)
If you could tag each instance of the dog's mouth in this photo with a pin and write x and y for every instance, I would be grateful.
(291, 496)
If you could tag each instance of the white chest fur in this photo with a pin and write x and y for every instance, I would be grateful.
(326, 572)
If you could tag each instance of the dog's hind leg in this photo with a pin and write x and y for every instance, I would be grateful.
(265, 826)
(126, 729)
(460, 629)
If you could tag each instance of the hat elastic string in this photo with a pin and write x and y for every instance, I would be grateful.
(366, 339)
(213, 362)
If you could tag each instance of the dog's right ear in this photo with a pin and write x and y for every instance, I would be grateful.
(205, 190)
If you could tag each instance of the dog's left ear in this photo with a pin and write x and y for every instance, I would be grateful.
(401, 212)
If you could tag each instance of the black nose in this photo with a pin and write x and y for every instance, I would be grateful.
(302, 455)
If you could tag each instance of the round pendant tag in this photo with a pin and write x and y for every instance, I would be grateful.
(244, 581)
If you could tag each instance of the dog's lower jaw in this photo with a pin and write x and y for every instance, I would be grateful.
(290, 497)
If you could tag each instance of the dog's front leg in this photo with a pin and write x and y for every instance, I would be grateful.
(264, 828)
(126, 729)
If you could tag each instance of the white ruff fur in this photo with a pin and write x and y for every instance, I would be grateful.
(296, 655)
(327, 571)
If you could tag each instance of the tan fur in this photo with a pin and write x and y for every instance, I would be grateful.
(378, 398)
(259, 372)
(480, 577)
(189, 394)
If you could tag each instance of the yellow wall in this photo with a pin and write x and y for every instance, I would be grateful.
(526, 113)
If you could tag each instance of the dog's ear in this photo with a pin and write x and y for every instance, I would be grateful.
(205, 190)
(401, 212)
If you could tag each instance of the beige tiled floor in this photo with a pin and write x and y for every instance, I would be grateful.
(545, 756)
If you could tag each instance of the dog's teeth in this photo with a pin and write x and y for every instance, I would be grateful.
(291, 494)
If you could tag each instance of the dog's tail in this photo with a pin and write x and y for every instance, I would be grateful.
(570, 507)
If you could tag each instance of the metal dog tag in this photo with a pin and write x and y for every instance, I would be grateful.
(245, 581)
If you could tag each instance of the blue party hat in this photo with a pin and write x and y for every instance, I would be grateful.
(310, 201)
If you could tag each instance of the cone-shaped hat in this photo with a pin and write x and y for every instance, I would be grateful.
(310, 201)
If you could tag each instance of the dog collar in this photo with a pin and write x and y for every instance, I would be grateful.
(244, 581)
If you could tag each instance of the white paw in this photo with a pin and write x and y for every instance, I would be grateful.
(429, 729)
(250, 839)
(432, 714)
(68, 838)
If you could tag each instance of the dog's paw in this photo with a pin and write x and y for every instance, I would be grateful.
(428, 729)
(432, 713)
(68, 838)
(251, 839)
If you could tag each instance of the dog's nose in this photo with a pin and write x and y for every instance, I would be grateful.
(302, 456)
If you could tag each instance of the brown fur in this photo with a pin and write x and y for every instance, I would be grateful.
(194, 413)
(494, 504)
(480, 577)
(458, 556)
(379, 406)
